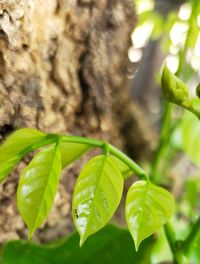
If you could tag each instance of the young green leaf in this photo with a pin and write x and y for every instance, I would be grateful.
(7, 166)
(148, 207)
(123, 168)
(174, 90)
(14, 145)
(72, 151)
(38, 186)
(97, 195)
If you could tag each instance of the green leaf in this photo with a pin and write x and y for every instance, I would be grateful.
(38, 186)
(7, 166)
(148, 207)
(174, 90)
(123, 168)
(14, 145)
(97, 195)
(18, 141)
(72, 151)
(110, 245)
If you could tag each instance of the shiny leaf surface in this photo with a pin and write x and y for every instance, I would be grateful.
(38, 186)
(148, 207)
(97, 194)
(14, 145)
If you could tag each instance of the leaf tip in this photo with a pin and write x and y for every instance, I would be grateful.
(137, 244)
(82, 241)
(30, 236)
(30, 233)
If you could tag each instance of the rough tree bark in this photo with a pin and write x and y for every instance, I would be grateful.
(63, 69)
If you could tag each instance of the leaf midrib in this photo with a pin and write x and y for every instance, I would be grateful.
(45, 190)
(94, 199)
(142, 211)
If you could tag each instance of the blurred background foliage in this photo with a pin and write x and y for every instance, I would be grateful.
(165, 29)
(110, 245)
(170, 30)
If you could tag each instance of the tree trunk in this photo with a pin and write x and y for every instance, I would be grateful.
(63, 69)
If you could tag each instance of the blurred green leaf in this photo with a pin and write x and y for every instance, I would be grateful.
(97, 194)
(110, 245)
(38, 186)
(14, 145)
(72, 151)
(174, 90)
(148, 207)
(123, 168)
(190, 129)
(192, 192)
(144, 17)
(172, 18)
(158, 25)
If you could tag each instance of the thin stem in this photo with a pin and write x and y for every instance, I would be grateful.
(49, 139)
(129, 162)
(162, 142)
(112, 150)
(192, 236)
(53, 138)
(175, 246)
(83, 140)
(189, 34)
(170, 236)
(106, 149)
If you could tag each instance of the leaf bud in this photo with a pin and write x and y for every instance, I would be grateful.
(174, 90)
